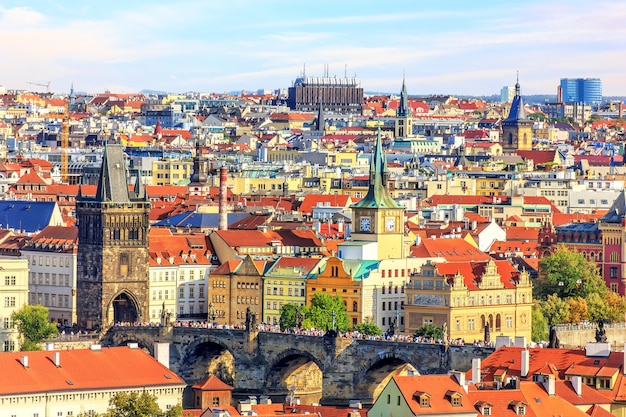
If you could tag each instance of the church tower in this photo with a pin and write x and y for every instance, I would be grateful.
(517, 129)
(113, 227)
(198, 183)
(404, 115)
(377, 217)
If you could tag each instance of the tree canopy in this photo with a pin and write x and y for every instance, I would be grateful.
(429, 330)
(320, 314)
(368, 327)
(292, 315)
(567, 273)
(134, 404)
(33, 326)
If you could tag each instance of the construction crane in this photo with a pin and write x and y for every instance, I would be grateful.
(65, 139)
(41, 84)
(65, 144)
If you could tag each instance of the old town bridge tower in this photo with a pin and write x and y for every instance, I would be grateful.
(113, 227)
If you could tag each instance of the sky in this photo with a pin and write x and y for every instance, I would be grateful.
(455, 47)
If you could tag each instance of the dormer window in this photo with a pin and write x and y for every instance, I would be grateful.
(484, 408)
(423, 398)
(518, 407)
(454, 397)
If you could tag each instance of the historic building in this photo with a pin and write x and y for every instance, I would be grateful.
(517, 129)
(612, 227)
(404, 116)
(235, 287)
(340, 278)
(285, 283)
(473, 300)
(52, 256)
(113, 259)
(13, 296)
(378, 217)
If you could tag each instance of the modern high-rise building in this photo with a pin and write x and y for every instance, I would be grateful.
(507, 93)
(581, 90)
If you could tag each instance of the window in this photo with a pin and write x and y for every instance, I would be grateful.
(456, 400)
(216, 401)
(486, 411)
(424, 401)
(181, 293)
(613, 271)
(9, 280)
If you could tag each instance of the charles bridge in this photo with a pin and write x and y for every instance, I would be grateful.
(326, 369)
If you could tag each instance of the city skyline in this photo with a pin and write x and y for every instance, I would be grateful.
(464, 49)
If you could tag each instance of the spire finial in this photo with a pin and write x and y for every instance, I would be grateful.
(517, 87)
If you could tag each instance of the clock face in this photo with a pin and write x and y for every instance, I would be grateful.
(390, 225)
(365, 224)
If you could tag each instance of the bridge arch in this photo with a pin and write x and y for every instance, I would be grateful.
(145, 341)
(208, 355)
(371, 377)
(295, 372)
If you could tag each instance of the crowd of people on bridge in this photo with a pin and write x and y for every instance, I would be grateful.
(273, 328)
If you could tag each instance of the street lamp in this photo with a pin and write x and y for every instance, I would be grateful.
(397, 320)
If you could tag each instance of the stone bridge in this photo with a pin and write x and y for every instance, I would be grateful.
(328, 369)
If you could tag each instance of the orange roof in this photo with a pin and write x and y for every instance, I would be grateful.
(333, 200)
(438, 387)
(212, 383)
(449, 249)
(31, 177)
(82, 369)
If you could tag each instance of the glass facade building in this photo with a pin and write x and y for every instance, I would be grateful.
(581, 90)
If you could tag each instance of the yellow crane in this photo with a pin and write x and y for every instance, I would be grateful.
(65, 139)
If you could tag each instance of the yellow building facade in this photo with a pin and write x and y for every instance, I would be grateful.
(471, 299)
(171, 172)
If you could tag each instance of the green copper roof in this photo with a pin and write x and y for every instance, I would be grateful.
(378, 195)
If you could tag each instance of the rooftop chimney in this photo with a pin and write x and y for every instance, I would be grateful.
(24, 361)
(476, 371)
(223, 218)
(525, 363)
(57, 359)
(577, 384)
(549, 383)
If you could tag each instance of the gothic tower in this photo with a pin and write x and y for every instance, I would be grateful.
(113, 227)
(198, 183)
(377, 217)
(517, 129)
(404, 116)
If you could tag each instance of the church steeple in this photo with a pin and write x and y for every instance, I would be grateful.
(404, 115)
(403, 105)
(377, 194)
(517, 129)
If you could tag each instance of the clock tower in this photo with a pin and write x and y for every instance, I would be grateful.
(377, 217)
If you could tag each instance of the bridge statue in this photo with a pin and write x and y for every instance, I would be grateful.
(250, 320)
(600, 332)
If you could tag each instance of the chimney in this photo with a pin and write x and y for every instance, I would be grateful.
(24, 361)
(549, 384)
(577, 384)
(460, 378)
(162, 353)
(223, 218)
(57, 359)
(525, 363)
(476, 377)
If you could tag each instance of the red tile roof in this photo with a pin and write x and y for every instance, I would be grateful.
(82, 369)
(333, 200)
(212, 383)
(448, 249)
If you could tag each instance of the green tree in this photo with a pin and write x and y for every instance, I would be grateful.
(429, 330)
(368, 327)
(539, 329)
(134, 404)
(32, 323)
(598, 308)
(292, 315)
(567, 273)
(555, 310)
(320, 313)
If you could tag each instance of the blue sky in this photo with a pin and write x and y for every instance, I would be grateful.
(451, 47)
